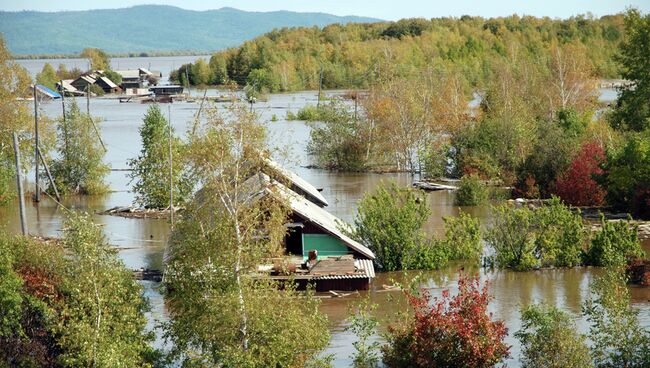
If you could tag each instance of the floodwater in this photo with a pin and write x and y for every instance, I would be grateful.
(141, 242)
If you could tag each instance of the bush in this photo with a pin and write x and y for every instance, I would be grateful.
(524, 239)
(426, 255)
(453, 331)
(364, 325)
(614, 243)
(577, 186)
(471, 191)
(463, 237)
(549, 338)
(389, 221)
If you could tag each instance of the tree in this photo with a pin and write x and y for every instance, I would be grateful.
(617, 338)
(223, 314)
(336, 138)
(47, 76)
(16, 116)
(549, 339)
(99, 60)
(102, 322)
(389, 222)
(151, 169)
(463, 237)
(451, 331)
(79, 168)
(577, 185)
(632, 110)
(113, 76)
(627, 175)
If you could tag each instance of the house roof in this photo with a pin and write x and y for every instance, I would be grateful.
(108, 82)
(46, 91)
(86, 78)
(299, 182)
(135, 73)
(66, 84)
(309, 211)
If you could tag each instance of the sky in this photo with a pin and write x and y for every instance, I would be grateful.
(383, 9)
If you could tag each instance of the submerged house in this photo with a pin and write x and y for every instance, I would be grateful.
(318, 245)
(83, 83)
(107, 85)
(295, 182)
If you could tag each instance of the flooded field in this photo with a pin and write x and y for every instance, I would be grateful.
(142, 242)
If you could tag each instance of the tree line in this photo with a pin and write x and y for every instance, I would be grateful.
(359, 55)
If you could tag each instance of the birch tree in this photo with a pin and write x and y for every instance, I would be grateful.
(221, 313)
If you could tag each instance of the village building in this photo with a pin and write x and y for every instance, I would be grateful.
(107, 85)
(138, 78)
(166, 90)
(67, 89)
(83, 83)
(319, 248)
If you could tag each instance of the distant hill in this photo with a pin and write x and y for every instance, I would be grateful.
(147, 28)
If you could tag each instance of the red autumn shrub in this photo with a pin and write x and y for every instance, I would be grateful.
(450, 331)
(576, 186)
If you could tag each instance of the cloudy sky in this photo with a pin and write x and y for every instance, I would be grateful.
(384, 9)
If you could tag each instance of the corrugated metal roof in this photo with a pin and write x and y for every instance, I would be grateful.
(67, 86)
(299, 182)
(364, 269)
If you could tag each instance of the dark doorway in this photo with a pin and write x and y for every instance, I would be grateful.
(293, 241)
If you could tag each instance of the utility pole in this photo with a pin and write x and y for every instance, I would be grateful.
(320, 85)
(37, 198)
(88, 99)
(65, 124)
(19, 185)
(171, 167)
(187, 78)
(99, 136)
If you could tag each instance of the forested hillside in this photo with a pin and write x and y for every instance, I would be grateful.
(147, 28)
(355, 55)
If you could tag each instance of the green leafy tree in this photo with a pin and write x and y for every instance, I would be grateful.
(618, 340)
(223, 314)
(389, 221)
(47, 76)
(463, 237)
(627, 175)
(113, 76)
(524, 239)
(79, 168)
(364, 325)
(15, 116)
(632, 111)
(614, 243)
(336, 139)
(99, 59)
(102, 322)
(549, 339)
(151, 169)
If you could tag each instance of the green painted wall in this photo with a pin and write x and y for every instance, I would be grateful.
(326, 245)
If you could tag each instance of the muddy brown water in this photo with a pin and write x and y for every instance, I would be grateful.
(142, 241)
